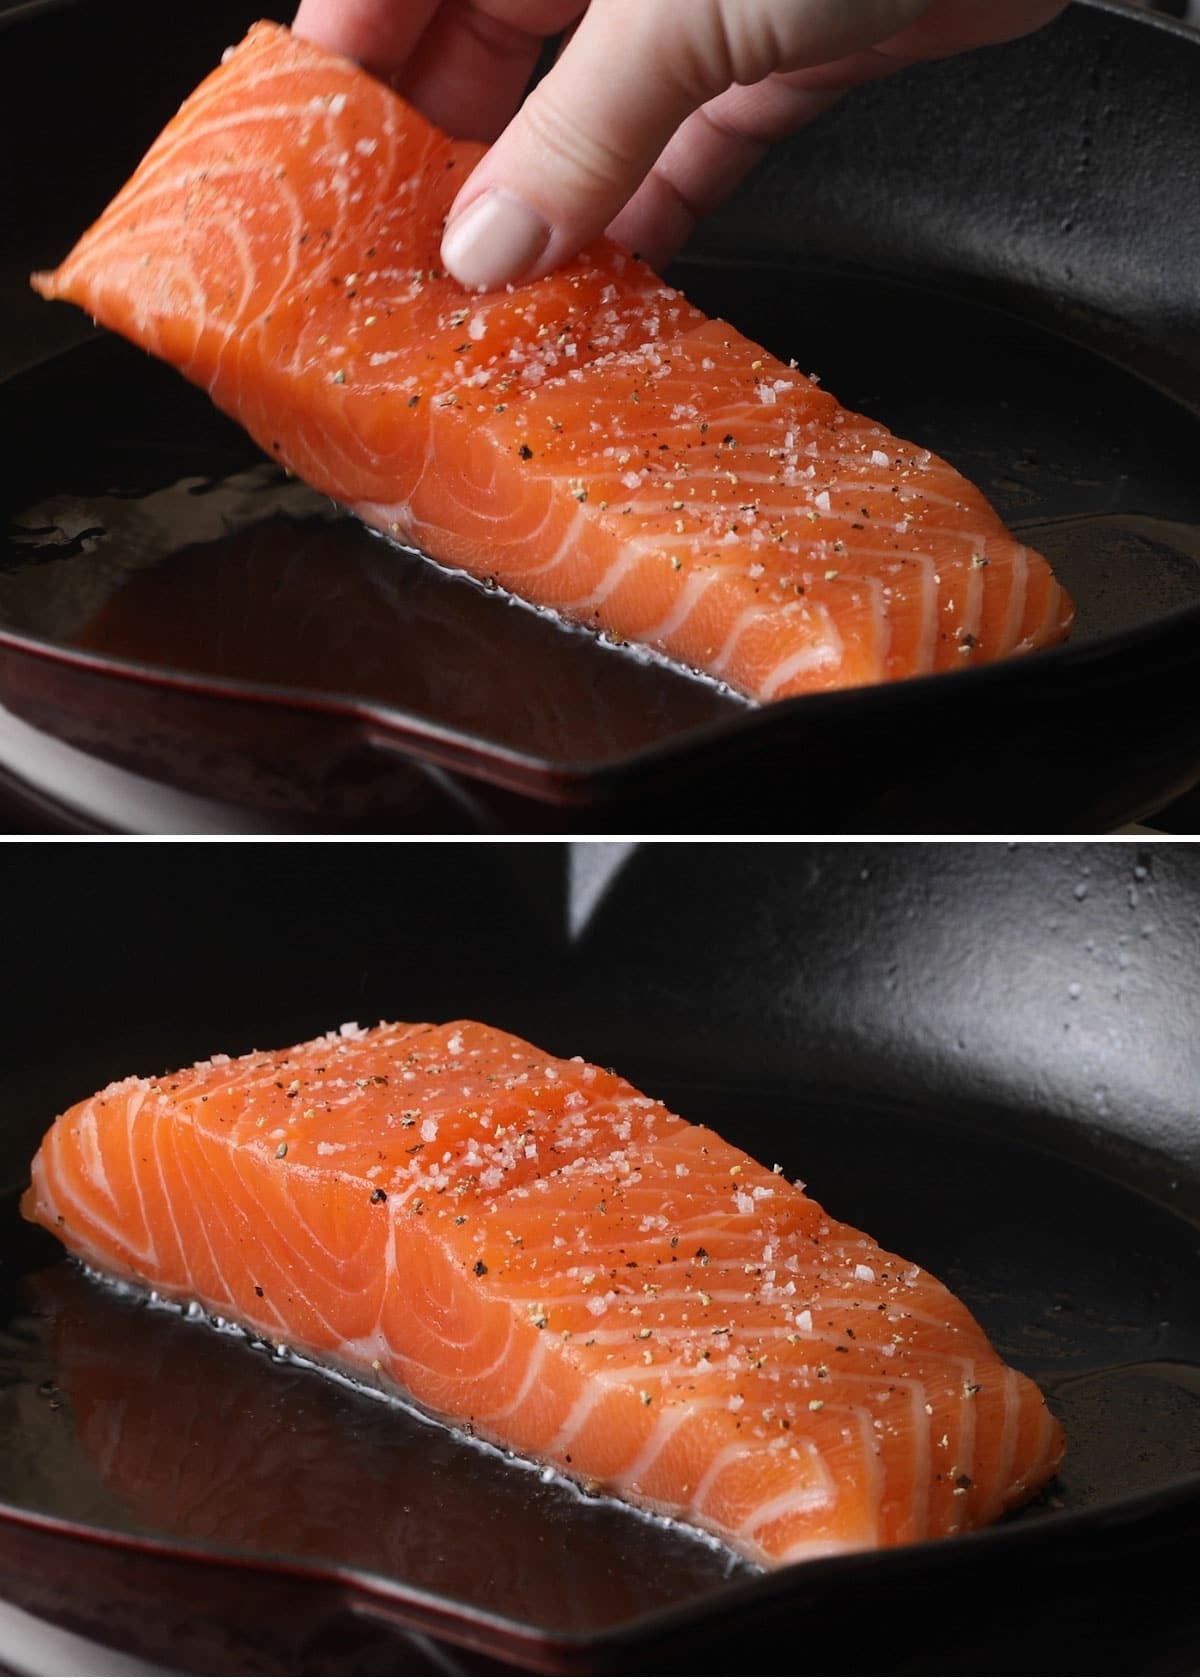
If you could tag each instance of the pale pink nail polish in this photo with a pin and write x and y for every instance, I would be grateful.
(493, 240)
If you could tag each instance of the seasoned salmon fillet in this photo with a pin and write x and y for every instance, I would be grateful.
(590, 441)
(535, 1252)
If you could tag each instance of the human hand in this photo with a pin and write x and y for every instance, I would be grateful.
(652, 113)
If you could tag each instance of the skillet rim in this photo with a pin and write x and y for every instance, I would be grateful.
(451, 1616)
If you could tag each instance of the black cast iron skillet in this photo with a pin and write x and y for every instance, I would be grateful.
(997, 255)
(986, 1056)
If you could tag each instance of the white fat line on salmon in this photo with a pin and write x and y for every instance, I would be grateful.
(816, 658)
(286, 198)
(872, 1464)
(1008, 1438)
(903, 492)
(154, 325)
(590, 1397)
(928, 621)
(921, 1437)
(192, 132)
(499, 1363)
(819, 552)
(1018, 587)
(90, 1148)
(971, 613)
(780, 1387)
(745, 1341)
(155, 1155)
(667, 1425)
(366, 1352)
(1049, 617)
(225, 317)
(783, 1382)
(331, 452)
(384, 126)
(580, 1489)
(677, 1414)
(413, 1366)
(693, 592)
(733, 1454)
(629, 556)
(808, 1551)
(818, 497)
(1046, 1428)
(378, 517)
(796, 1500)
(532, 1372)
(743, 621)
(233, 384)
(881, 621)
(242, 1076)
(900, 1310)
(964, 1465)
(574, 530)
(471, 494)
(94, 1215)
(214, 1197)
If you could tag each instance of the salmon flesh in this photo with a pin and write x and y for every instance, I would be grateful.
(531, 1250)
(590, 442)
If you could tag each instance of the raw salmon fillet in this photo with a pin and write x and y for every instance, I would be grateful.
(534, 1251)
(590, 442)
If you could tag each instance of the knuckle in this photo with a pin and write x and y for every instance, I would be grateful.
(599, 166)
(762, 36)
(504, 40)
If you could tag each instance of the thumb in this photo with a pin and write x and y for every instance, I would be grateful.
(593, 127)
(576, 150)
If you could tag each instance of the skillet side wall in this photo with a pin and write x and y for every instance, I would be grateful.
(1048, 989)
(1099, 232)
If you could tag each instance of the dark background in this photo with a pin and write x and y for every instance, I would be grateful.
(1060, 980)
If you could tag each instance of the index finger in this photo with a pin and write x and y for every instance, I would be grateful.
(379, 34)
(473, 63)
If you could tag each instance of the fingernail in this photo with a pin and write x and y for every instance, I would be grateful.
(493, 240)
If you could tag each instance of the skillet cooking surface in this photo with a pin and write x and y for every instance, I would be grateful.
(237, 642)
(1075, 1244)
(133, 1422)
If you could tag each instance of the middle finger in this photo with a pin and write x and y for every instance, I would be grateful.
(474, 61)
(380, 34)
